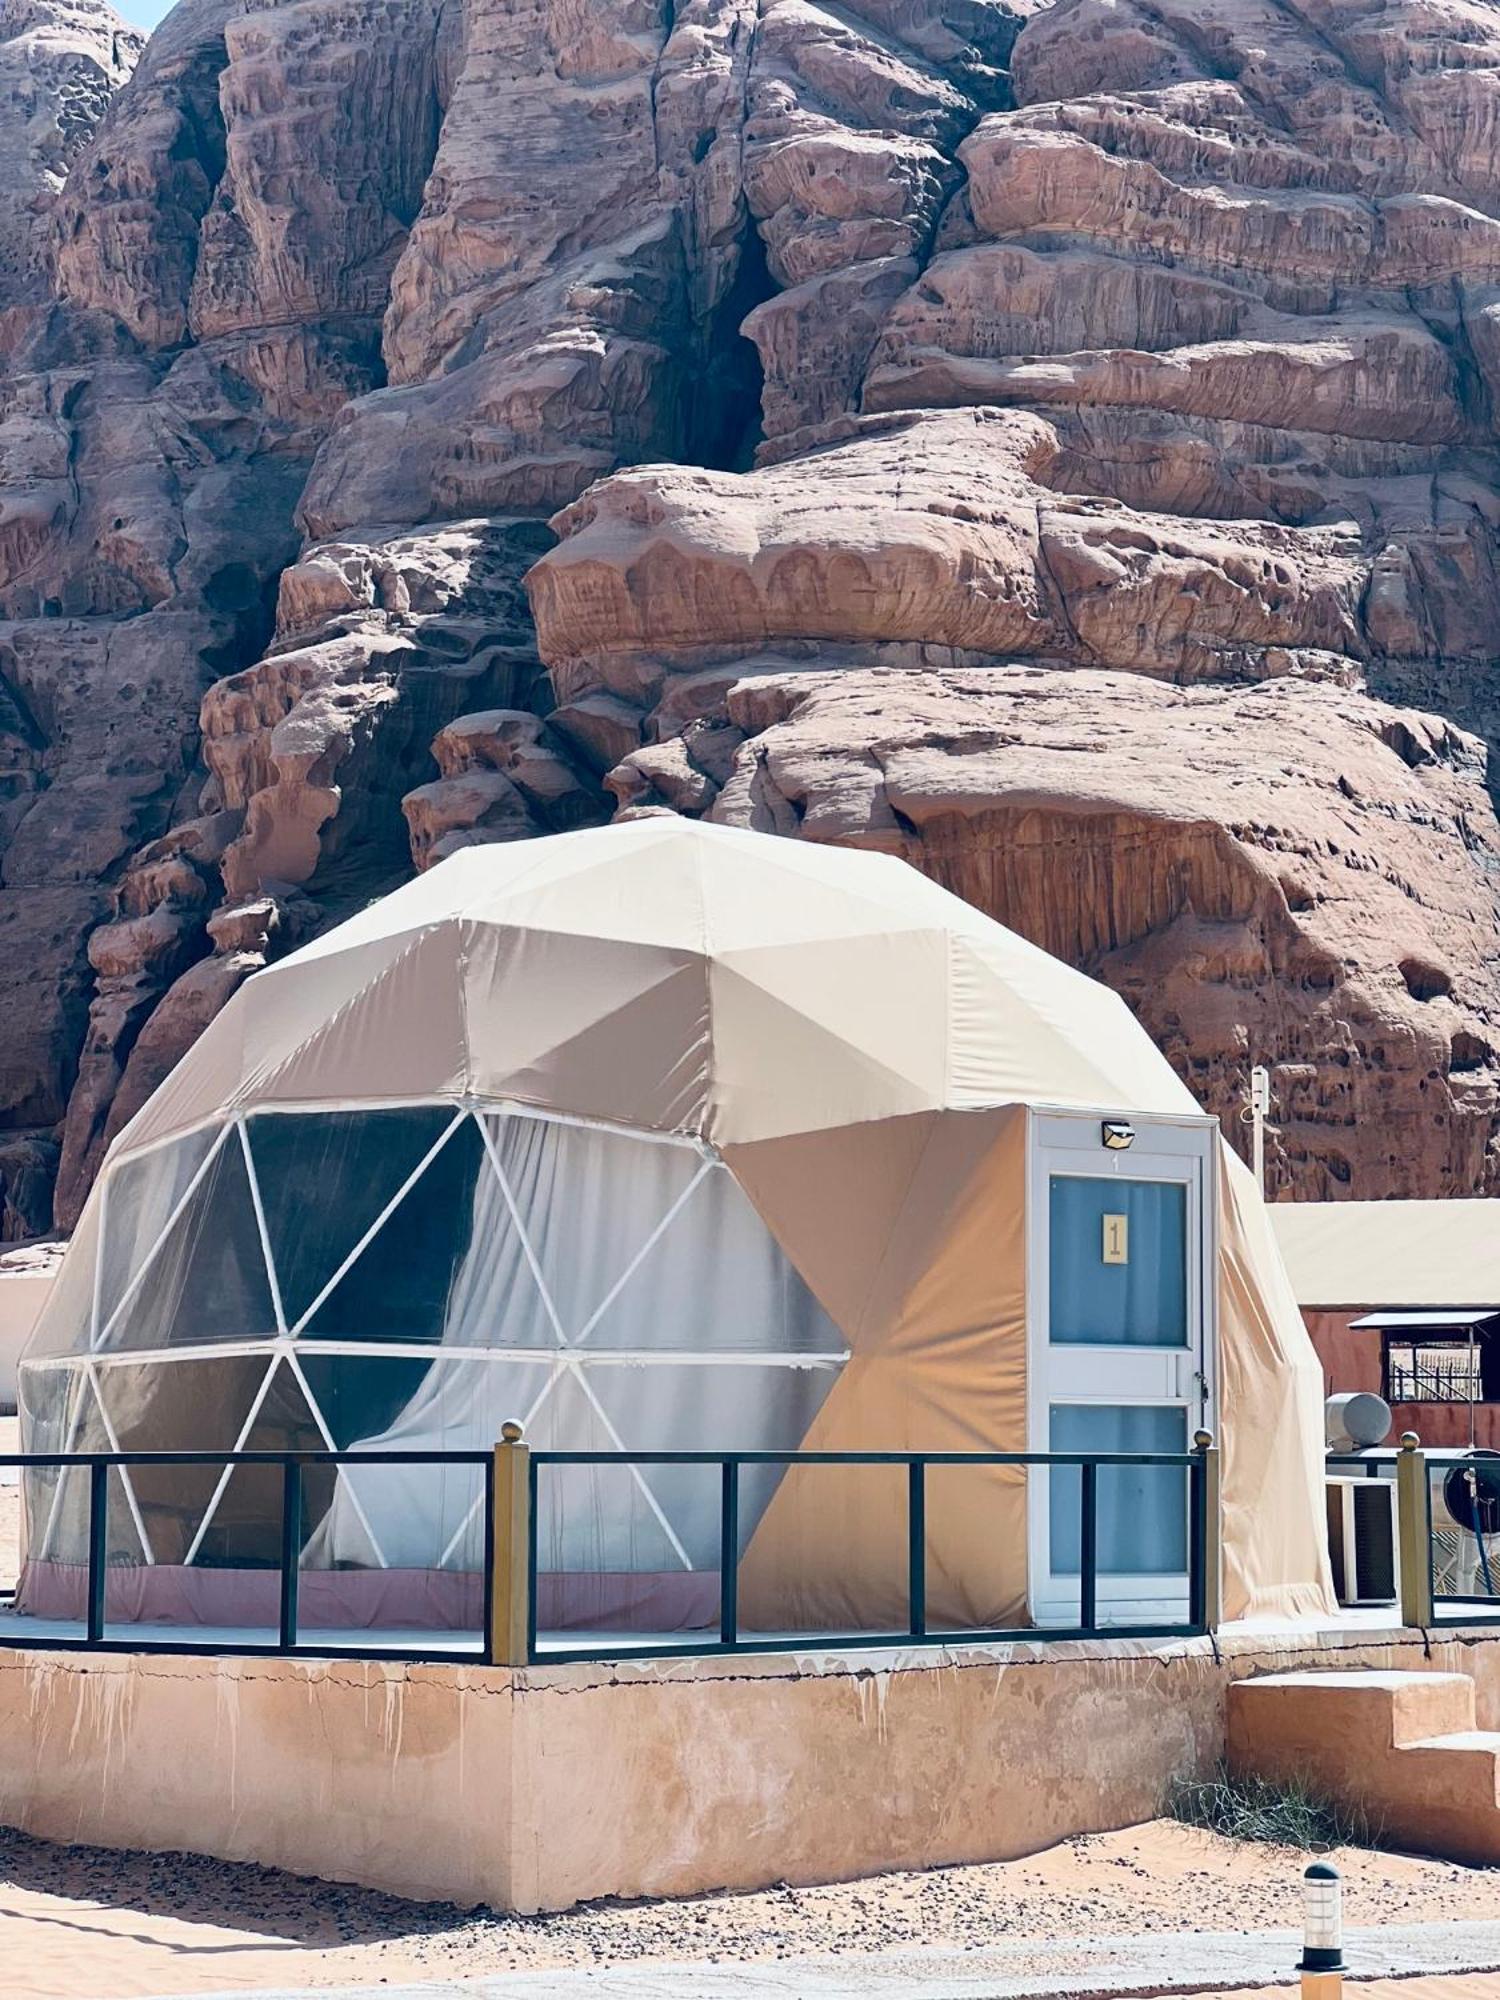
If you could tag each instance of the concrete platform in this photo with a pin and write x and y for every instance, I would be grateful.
(538, 1788)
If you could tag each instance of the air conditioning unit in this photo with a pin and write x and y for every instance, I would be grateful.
(1362, 1540)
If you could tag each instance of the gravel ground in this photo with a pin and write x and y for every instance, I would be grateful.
(81, 1923)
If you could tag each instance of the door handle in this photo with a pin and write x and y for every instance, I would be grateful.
(1189, 1380)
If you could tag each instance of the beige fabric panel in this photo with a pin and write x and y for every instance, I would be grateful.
(597, 1027)
(1018, 1036)
(850, 1028)
(1271, 1396)
(928, 1280)
(1368, 1254)
(404, 1029)
(935, 1211)
(671, 976)
(834, 1201)
(342, 1005)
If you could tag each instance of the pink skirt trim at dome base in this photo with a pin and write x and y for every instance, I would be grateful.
(427, 1600)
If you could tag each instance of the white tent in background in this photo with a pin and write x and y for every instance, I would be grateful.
(663, 1136)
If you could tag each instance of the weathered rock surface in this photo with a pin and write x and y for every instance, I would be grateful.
(1048, 439)
(1212, 309)
(1235, 862)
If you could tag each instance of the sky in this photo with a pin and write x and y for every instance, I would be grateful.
(142, 13)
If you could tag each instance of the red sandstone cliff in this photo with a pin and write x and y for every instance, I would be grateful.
(1058, 444)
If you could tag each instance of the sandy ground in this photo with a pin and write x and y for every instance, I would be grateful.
(84, 1924)
(1456, 1986)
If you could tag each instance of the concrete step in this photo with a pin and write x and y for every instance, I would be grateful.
(1391, 1708)
(1464, 1768)
(1401, 1748)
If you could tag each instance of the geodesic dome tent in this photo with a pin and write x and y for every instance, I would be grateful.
(655, 1136)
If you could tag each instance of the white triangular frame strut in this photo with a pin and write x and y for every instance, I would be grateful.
(381, 1220)
(70, 1439)
(227, 1473)
(102, 1333)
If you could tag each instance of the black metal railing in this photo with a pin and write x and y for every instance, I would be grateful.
(1433, 1382)
(1459, 1553)
(95, 1633)
(1201, 1501)
(1435, 1552)
(509, 1497)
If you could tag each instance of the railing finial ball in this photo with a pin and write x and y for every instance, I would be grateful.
(510, 1431)
(1203, 1440)
(1410, 1441)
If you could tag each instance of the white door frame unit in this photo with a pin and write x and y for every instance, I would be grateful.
(1183, 1150)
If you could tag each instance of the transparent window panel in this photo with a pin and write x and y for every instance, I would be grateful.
(50, 1594)
(58, 1503)
(616, 1551)
(206, 1280)
(132, 1593)
(361, 1396)
(324, 1177)
(400, 1285)
(645, 1246)
(726, 1406)
(139, 1200)
(54, 1403)
(181, 1405)
(609, 1558)
(65, 1325)
(590, 1202)
(241, 1528)
(410, 1566)
(1118, 1262)
(54, 1583)
(47, 1394)
(209, 1565)
(1143, 1509)
(419, 1517)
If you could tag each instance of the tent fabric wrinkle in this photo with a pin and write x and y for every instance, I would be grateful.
(656, 1137)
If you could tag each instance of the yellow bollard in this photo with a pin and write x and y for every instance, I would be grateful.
(1414, 1532)
(510, 1586)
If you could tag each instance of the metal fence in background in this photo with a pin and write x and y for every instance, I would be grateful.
(1448, 1574)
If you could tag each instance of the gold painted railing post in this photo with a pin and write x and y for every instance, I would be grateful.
(510, 1586)
(1213, 1532)
(1414, 1525)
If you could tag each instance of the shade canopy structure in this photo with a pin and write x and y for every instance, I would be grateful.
(1413, 1254)
(656, 1136)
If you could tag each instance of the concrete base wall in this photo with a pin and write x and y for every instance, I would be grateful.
(537, 1789)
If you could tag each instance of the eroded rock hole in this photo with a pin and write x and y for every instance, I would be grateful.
(1426, 980)
(723, 423)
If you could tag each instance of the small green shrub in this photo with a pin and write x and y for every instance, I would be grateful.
(1284, 1815)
